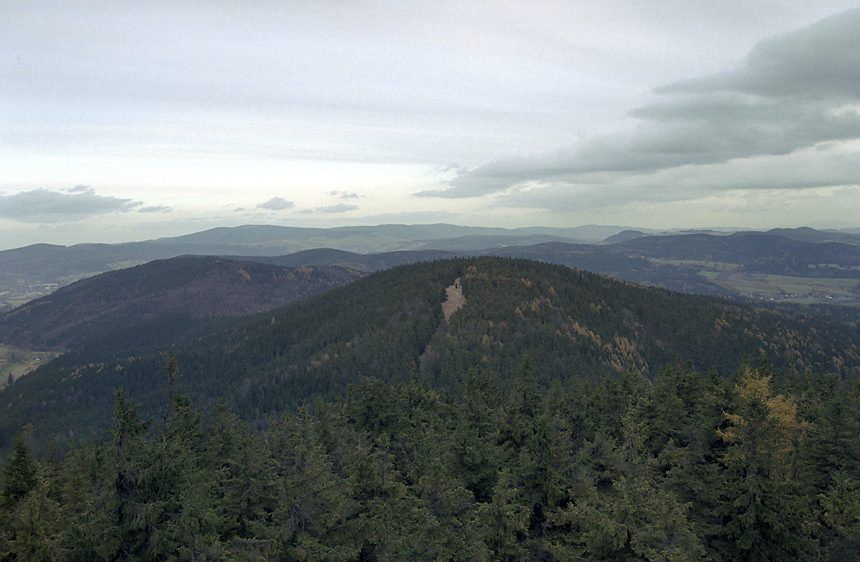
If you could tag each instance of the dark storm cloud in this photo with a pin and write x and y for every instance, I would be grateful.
(794, 91)
(276, 204)
(42, 205)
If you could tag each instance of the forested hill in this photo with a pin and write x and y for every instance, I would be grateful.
(150, 304)
(574, 325)
(757, 252)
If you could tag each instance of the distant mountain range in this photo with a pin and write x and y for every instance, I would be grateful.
(33, 271)
(705, 262)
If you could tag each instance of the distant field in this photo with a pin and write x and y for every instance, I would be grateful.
(799, 289)
(709, 266)
(807, 290)
(14, 302)
(15, 296)
(18, 362)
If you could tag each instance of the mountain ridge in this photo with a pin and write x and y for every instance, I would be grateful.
(572, 323)
(183, 290)
(27, 273)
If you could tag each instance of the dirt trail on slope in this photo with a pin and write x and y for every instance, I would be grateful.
(452, 304)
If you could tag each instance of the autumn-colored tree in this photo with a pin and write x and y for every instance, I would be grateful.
(766, 514)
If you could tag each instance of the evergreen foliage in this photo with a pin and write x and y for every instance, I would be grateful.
(549, 419)
(574, 325)
(683, 467)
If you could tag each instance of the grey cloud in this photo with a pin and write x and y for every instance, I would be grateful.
(155, 209)
(42, 205)
(276, 204)
(805, 170)
(344, 194)
(792, 92)
(341, 208)
(819, 61)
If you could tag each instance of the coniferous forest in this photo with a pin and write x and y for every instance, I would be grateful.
(757, 466)
(545, 420)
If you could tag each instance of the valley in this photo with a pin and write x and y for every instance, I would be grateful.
(772, 287)
(16, 362)
(239, 322)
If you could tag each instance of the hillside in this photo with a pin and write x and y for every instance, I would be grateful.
(753, 265)
(469, 409)
(801, 265)
(575, 325)
(361, 262)
(796, 264)
(757, 252)
(156, 304)
(33, 271)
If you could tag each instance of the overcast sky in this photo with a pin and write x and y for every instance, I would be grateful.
(121, 122)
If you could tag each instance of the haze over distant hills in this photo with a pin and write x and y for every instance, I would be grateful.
(706, 261)
(33, 271)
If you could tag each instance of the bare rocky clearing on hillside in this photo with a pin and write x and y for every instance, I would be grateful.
(452, 304)
(455, 299)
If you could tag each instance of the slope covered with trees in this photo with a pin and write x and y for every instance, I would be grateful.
(761, 465)
(576, 326)
(758, 252)
(557, 415)
(156, 302)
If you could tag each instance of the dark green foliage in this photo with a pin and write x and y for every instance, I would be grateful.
(19, 473)
(545, 426)
(684, 467)
(572, 324)
(160, 302)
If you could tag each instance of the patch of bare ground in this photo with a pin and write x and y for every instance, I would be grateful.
(455, 300)
(452, 304)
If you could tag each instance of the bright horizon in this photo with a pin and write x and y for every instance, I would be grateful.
(162, 119)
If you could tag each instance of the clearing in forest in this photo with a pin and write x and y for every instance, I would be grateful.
(455, 300)
(452, 304)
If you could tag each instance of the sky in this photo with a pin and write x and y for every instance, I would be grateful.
(126, 121)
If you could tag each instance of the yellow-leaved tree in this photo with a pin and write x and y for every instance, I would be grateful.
(765, 511)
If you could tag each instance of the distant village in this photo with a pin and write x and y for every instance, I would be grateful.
(814, 295)
(12, 297)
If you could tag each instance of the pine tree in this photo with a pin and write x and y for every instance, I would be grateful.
(477, 457)
(19, 472)
(29, 516)
(32, 530)
(127, 535)
(314, 514)
(241, 487)
(840, 511)
(85, 481)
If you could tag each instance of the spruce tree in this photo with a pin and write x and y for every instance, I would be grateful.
(19, 472)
